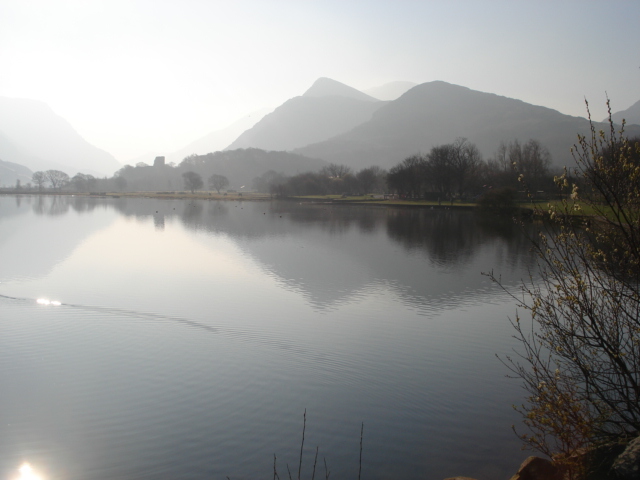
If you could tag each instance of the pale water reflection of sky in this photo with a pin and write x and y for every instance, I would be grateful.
(177, 347)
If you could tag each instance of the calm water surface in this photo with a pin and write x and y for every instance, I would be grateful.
(192, 335)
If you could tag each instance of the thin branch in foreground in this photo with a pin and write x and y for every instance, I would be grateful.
(360, 465)
(304, 425)
(315, 462)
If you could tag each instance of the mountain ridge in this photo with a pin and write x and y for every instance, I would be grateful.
(331, 108)
(436, 113)
(38, 138)
(630, 115)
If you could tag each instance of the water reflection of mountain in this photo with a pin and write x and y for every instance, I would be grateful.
(330, 254)
(62, 220)
(334, 253)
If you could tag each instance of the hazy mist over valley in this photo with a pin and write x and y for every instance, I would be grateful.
(331, 123)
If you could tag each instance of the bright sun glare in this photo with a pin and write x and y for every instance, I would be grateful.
(44, 301)
(27, 473)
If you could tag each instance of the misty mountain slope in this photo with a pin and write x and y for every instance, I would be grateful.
(631, 115)
(325, 110)
(436, 113)
(304, 120)
(10, 152)
(43, 140)
(326, 87)
(11, 172)
(218, 139)
(391, 90)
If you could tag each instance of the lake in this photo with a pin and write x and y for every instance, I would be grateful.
(190, 337)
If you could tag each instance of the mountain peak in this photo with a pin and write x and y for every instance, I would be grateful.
(326, 87)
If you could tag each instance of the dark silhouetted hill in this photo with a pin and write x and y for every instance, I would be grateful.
(34, 136)
(327, 109)
(241, 166)
(436, 113)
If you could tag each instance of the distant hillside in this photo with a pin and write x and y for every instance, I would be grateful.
(390, 91)
(34, 136)
(631, 115)
(10, 173)
(436, 113)
(218, 139)
(327, 109)
(243, 165)
(10, 152)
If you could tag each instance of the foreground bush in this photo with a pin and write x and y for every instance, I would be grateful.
(580, 356)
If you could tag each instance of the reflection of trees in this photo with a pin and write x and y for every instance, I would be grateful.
(448, 237)
(331, 218)
(516, 238)
(192, 213)
(329, 253)
(217, 209)
(451, 237)
(368, 221)
(83, 204)
(52, 206)
(60, 204)
(158, 221)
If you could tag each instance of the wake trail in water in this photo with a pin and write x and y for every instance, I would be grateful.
(320, 360)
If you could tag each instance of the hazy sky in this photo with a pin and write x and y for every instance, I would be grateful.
(150, 76)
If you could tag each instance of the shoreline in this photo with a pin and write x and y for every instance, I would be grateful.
(258, 197)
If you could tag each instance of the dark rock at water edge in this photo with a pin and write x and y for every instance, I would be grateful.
(627, 465)
(536, 468)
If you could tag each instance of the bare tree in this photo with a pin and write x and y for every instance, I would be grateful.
(371, 179)
(57, 179)
(192, 181)
(409, 176)
(83, 183)
(532, 161)
(440, 170)
(580, 352)
(465, 162)
(269, 181)
(500, 161)
(39, 179)
(335, 171)
(218, 182)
